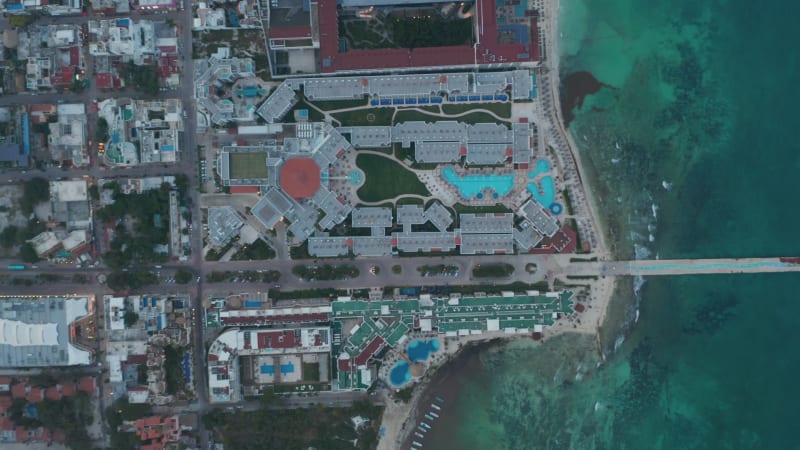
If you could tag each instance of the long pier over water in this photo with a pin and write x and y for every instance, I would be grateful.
(680, 267)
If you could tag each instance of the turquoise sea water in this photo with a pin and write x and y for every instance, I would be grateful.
(693, 152)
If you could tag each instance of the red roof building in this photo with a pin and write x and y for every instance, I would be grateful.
(35, 395)
(300, 178)
(68, 389)
(5, 404)
(277, 339)
(19, 390)
(488, 49)
(104, 80)
(52, 393)
(245, 189)
(87, 384)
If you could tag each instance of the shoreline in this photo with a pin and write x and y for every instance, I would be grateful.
(399, 418)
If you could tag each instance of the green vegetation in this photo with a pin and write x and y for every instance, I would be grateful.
(362, 35)
(124, 281)
(257, 250)
(214, 254)
(501, 109)
(118, 412)
(495, 270)
(437, 270)
(183, 276)
(94, 192)
(248, 165)
(318, 427)
(471, 118)
(592, 259)
(311, 372)
(13, 235)
(430, 31)
(386, 179)
(34, 191)
(172, 368)
(404, 395)
(102, 130)
(27, 253)
(141, 374)
(142, 224)
(582, 277)
(331, 105)
(368, 116)
(130, 318)
(497, 208)
(70, 414)
(299, 251)
(20, 20)
(325, 272)
(143, 78)
(397, 269)
(267, 276)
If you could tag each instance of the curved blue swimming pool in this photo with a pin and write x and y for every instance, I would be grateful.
(420, 350)
(548, 191)
(471, 185)
(400, 373)
(542, 166)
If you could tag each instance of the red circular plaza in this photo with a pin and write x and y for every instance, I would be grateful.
(300, 178)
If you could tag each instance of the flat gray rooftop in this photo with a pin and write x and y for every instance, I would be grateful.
(425, 241)
(487, 154)
(437, 152)
(371, 217)
(34, 331)
(486, 223)
(488, 244)
(223, 224)
(372, 245)
(439, 216)
(277, 104)
(328, 246)
(539, 217)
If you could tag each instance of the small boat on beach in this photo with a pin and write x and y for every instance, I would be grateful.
(435, 406)
(419, 435)
(439, 399)
(429, 417)
(435, 416)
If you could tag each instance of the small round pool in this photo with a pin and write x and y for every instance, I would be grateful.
(556, 208)
(420, 350)
(400, 373)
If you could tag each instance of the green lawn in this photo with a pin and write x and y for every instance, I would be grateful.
(245, 166)
(363, 117)
(386, 179)
(311, 372)
(501, 109)
(498, 270)
(258, 250)
(472, 118)
(331, 105)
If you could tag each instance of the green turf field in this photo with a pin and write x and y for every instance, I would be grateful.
(248, 166)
